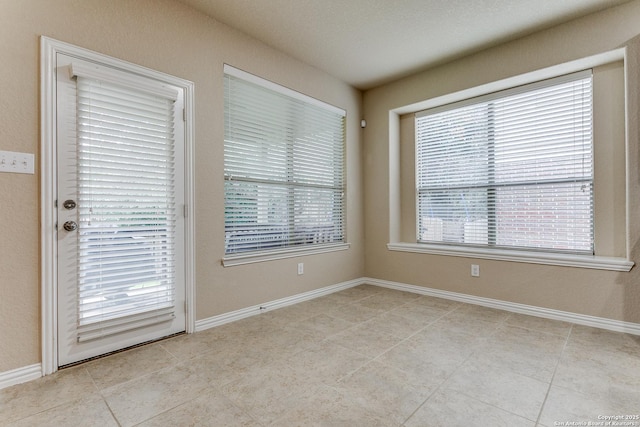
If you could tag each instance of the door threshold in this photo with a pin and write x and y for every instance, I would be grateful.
(101, 356)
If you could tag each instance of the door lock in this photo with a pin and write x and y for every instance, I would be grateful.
(70, 226)
(69, 204)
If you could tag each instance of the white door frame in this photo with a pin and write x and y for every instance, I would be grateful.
(49, 48)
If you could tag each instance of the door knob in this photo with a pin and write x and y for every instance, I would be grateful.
(70, 226)
(69, 204)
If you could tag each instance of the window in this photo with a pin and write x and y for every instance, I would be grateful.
(283, 168)
(512, 169)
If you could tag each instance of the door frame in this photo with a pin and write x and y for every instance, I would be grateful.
(49, 48)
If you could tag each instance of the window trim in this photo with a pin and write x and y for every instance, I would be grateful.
(513, 255)
(254, 256)
(395, 211)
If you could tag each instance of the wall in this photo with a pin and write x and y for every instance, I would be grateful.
(175, 39)
(599, 293)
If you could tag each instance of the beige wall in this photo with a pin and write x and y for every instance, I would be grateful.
(599, 293)
(172, 38)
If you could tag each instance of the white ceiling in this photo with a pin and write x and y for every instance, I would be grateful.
(371, 42)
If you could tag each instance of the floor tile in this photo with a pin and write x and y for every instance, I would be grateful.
(143, 398)
(527, 352)
(210, 409)
(452, 409)
(441, 303)
(128, 365)
(353, 294)
(502, 388)
(219, 368)
(600, 372)
(323, 324)
(187, 346)
(328, 407)
(354, 312)
(268, 394)
(600, 338)
(397, 325)
(386, 391)
(66, 386)
(292, 313)
(393, 295)
(432, 352)
(540, 324)
(385, 301)
(327, 361)
(480, 321)
(569, 405)
(424, 313)
(364, 340)
(89, 411)
(279, 342)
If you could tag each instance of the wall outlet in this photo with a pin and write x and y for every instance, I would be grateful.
(475, 270)
(16, 162)
(300, 268)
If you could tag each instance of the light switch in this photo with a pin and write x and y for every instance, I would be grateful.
(16, 162)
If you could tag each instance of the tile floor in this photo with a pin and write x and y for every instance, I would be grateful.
(366, 356)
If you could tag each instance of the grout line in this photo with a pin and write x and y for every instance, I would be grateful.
(555, 370)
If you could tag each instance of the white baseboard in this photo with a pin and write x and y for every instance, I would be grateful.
(548, 313)
(20, 375)
(232, 316)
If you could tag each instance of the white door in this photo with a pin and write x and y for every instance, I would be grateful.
(120, 209)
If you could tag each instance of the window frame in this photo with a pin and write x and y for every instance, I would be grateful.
(252, 256)
(396, 214)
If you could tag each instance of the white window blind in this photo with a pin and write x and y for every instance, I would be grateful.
(283, 168)
(512, 169)
(127, 212)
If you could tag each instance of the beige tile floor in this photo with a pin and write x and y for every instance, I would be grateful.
(366, 356)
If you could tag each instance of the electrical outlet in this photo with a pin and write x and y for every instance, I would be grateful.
(300, 268)
(475, 270)
(16, 162)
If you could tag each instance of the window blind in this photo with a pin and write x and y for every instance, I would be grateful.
(127, 212)
(283, 168)
(512, 169)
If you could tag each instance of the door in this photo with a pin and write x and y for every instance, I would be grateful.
(120, 209)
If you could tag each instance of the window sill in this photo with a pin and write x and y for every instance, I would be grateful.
(249, 258)
(565, 260)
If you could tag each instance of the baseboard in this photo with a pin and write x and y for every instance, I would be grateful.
(232, 316)
(20, 375)
(565, 316)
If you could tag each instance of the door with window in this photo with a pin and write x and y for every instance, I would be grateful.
(120, 209)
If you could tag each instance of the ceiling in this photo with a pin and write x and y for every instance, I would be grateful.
(371, 42)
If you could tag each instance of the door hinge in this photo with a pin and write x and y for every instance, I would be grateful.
(184, 115)
(185, 211)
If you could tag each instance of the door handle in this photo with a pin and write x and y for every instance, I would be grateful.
(70, 226)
